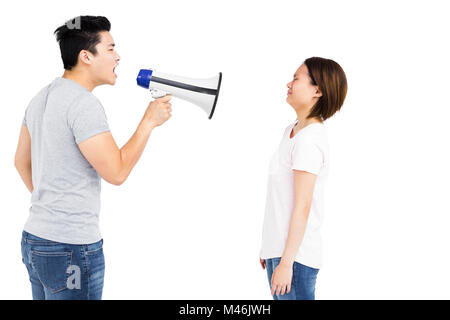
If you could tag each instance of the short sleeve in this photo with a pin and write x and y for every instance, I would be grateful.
(307, 156)
(86, 118)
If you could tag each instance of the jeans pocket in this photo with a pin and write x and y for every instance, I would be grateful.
(52, 268)
(95, 261)
(94, 251)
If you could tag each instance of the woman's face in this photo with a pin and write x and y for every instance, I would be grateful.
(302, 93)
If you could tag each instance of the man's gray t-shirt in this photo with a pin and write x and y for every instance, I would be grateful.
(65, 203)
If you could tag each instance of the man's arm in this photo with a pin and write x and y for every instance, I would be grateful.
(22, 159)
(113, 164)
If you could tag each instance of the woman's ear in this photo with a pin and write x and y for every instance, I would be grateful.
(318, 93)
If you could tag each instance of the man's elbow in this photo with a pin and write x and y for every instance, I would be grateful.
(119, 176)
(112, 172)
(118, 182)
(117, 179)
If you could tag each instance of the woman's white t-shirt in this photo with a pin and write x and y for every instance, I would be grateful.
(307, 151)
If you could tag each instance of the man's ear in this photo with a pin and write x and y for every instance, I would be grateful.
(85, 57)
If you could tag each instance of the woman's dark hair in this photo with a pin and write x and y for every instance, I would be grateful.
(80, 33)
(332, 82)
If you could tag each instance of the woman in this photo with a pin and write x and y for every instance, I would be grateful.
(291, 244)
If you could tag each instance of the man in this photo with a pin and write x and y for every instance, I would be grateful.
(65, 146)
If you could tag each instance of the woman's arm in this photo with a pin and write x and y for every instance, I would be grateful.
(303, 191)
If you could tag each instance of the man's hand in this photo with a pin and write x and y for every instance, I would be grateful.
(159, 111)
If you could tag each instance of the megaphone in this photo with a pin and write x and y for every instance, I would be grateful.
(202, 92)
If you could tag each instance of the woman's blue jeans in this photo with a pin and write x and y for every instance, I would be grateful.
(303, 284)
(61, 271)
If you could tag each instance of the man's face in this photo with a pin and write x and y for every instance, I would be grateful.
(105, 61)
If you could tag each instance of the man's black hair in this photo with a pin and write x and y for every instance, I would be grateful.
(80, 33)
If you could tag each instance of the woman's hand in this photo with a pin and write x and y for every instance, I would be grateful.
(263, 263)
(281, 279)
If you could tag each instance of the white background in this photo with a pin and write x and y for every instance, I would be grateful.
(187, 223)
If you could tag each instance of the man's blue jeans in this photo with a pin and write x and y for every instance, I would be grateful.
(61, 271)
(303, 284)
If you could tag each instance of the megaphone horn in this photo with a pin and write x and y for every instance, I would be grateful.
(202, 92)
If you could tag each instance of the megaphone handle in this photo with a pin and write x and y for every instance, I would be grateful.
(156, 93)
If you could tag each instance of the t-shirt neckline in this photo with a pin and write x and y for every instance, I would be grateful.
(292, 127)
(72, 82)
